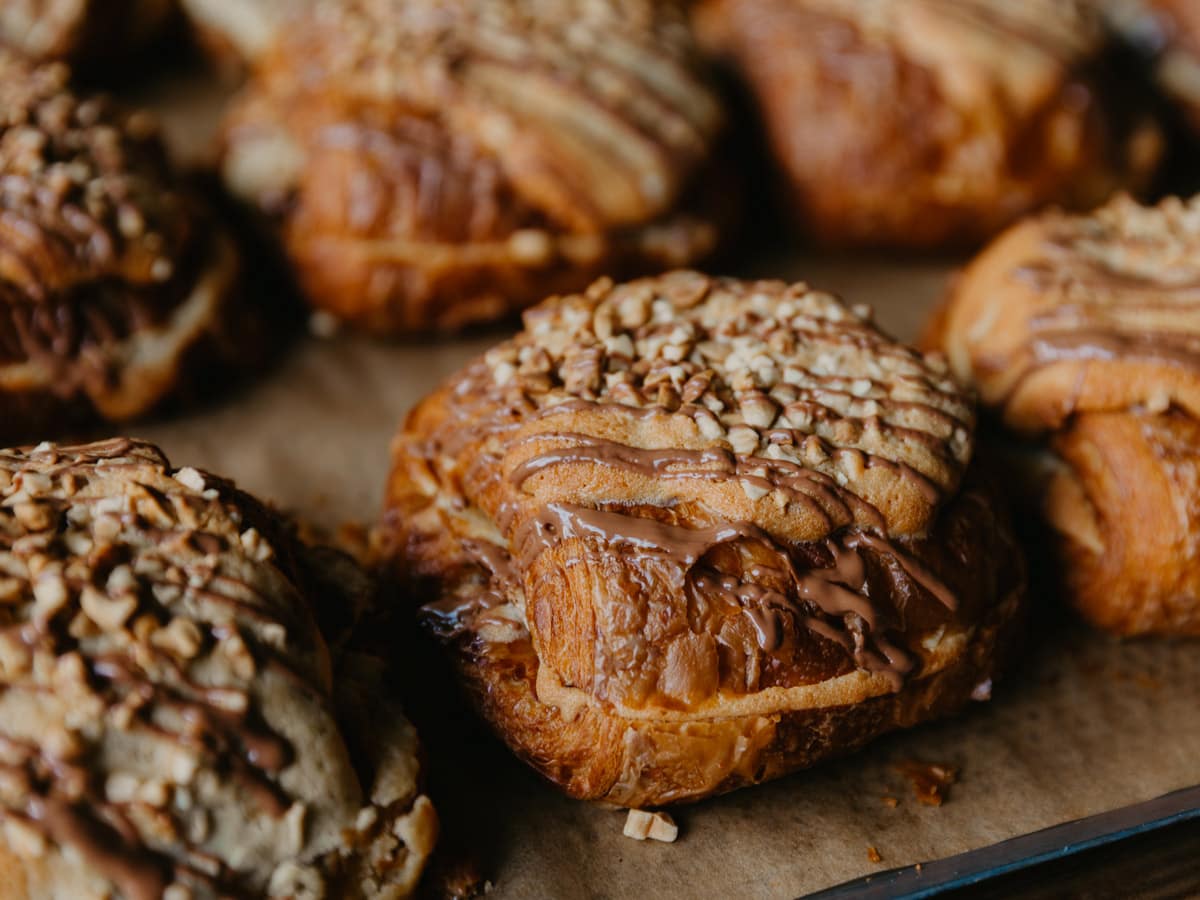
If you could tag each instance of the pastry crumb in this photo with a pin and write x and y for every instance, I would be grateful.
(930, 781)
(873, 855)
(657, 826)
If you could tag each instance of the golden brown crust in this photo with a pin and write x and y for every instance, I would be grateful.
(168, 706)
(940, 121)
(81, 31)
(688, 510)
(112, 276)
(1134, 520)
(1085, 331)
(435, 170)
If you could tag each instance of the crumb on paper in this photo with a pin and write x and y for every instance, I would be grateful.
(657, 826)
(930, 781)
(873, 855)
(890, 802)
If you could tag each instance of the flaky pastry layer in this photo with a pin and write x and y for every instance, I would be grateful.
(1083, 332)
(925, 123)
(433, 165)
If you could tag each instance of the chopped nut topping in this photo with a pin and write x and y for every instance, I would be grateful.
(657, 826)
(150, 672)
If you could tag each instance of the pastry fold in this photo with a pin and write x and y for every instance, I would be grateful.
(1082, 334)
(117, 287)
(927, 123)
(686, 534)
(433, 165)
(179, 713)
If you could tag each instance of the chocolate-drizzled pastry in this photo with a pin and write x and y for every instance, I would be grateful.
(687, 534)
(1083, 332)
(434, 165)
(168, 719)
(116, 285)
(923, 123)
(81, 31)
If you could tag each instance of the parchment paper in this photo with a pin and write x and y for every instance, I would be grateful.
(1086, 724)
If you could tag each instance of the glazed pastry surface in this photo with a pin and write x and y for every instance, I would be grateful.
(433, 165)
(940, 121)
(117, 287)
(1083, 333)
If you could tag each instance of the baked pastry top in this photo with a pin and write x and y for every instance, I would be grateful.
(169, 722)
(1084, 332)
(940, 121)
(1067, 314)
(437, 164)
(81, 31)
(699, 509)
(113, 278)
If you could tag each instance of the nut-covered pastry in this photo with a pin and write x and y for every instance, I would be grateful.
(116, 285)
(168, 718)
(687, 534)
(238, 32)
(434, 165)
(82, 31)
(1084, 333)
(922, 123)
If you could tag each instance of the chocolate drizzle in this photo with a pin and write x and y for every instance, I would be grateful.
(830, 430)
(833, 601)
(1121, 284)
(148, 603)
(138, 873)
(820, 492)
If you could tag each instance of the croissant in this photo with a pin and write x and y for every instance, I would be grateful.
(117, 287)
(169, 724)
(927, 123)
(687, 534)
(81, 31)
(434, 165)
(1082, 334)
